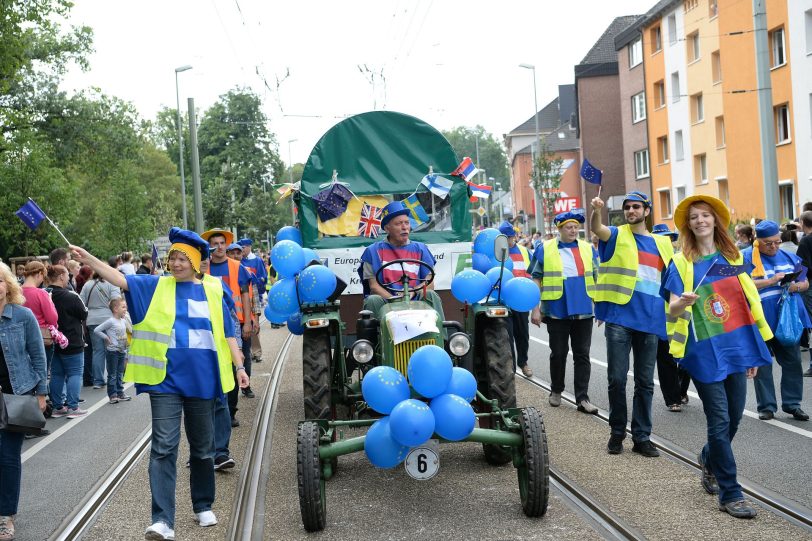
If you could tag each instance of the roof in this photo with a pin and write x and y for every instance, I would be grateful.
(550, 115)
(602, 57)
(633, 31)
(561, 139)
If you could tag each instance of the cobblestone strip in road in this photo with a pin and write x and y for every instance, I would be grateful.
(659, 496)
(128, 514)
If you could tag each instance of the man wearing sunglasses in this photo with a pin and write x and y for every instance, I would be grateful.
(627, 299)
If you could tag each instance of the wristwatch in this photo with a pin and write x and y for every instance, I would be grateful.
(240, 368)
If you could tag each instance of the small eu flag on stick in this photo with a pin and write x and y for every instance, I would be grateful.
(591, 174)
(32, 216)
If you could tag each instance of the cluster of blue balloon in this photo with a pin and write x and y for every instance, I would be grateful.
(410, 422)
(315, 283)
(475, 284)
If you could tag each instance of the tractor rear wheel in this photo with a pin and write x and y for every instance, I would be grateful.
(316, 356)
(312, 496)
(534, 473)
(497, 380)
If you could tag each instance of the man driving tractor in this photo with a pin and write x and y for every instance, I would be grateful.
(381, 279)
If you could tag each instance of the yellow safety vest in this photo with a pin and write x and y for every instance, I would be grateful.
(146, 362)
(677, 327)
(617, 276)
(552, 283)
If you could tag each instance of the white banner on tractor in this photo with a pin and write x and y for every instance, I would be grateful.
(451, 258)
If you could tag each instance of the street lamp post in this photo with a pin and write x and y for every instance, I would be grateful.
(290, 180)
(536, 198)
(180, 145)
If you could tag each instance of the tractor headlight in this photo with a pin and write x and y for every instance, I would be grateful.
(459, 344)
(362, 351)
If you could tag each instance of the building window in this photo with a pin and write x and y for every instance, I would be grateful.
(641, 163)
(786, 192)
(701, 169)
(782, 124)
(662, 149)
(688, 5)
(724, 193)
(720, 132)
(665, 203)
(639, 107)
(713, 8)
(693, 47)
(635, 52)
(656, 40)
(777, 51)
(697, 108)
(679, 150)
(808, 25)
(716, 67)
(680, 194)
(675, 91)
(659, 93)
(672, 29)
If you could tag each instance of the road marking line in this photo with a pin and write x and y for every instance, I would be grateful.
(747, 413)
(50, 438)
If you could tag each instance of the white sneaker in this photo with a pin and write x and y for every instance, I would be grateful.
(206, 518)
(159, 531)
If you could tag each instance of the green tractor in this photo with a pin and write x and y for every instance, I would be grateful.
(379, 157)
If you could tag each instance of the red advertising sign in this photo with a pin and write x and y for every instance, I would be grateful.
(565, 204)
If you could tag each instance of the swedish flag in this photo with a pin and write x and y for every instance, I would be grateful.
(417, 214)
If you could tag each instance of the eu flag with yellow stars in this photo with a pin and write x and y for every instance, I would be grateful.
(417, 214)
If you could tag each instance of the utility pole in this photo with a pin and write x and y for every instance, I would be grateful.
(198, 194)
(769, 165)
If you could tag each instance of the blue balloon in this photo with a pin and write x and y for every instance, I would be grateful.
(310, 255)
(381, 449)
(316, 283)
(454, 418)
(275, 317)
(295, 324)
(521, 294)
(494, 274)
(429, 370)
(470, 286)
(483, 243)
(383, 388)
(282, 297)
(411, 422)
(289, 233)
(463, 384)
(508, 263)
(287, 258)
(481, 262)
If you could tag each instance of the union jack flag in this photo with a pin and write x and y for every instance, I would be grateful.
(370, 224)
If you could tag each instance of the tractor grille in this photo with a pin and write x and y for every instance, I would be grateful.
(404, 350)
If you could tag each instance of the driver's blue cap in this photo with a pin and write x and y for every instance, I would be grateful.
(393, 210)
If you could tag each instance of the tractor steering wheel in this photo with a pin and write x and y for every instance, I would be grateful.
(421, 282)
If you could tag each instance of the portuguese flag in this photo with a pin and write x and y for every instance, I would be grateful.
(721, 308)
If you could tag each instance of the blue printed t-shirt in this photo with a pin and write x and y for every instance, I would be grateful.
(192, 369)
(220, 270)
(378, 254)
(644, 312)
(256, 267)
(574, 301)
(781, 262)
(739, 346)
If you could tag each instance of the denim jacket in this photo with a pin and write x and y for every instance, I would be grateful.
(22, 345)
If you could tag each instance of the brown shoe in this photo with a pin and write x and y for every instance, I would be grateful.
(555, 399)
(527, 371)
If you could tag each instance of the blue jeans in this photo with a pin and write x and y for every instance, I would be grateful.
(115, 372)
(66, 376)
(99, 357)
(723, 402)
(620, 341)
(198, 415)
(792, 379)
(222, 427)
(11, 471)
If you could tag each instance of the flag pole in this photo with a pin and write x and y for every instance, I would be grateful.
(51, 222)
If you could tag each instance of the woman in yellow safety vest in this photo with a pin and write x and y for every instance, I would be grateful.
(181, 354)
(717, 332)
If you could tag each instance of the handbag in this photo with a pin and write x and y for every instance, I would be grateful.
(47, 339)
(789, 328)
(22, 414)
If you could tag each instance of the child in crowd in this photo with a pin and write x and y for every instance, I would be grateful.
(114, 331)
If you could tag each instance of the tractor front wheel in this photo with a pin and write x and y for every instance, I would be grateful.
(312, 497)
(534, 472)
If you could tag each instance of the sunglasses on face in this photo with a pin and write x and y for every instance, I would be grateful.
(630, 207)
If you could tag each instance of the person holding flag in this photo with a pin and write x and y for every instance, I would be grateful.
(717, 332)
(771, 265)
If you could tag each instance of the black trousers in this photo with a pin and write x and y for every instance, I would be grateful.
(674, 381)
(578, 333)
(519, 332)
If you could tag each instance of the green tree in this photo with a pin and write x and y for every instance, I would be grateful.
(546, 179)
(492, 157)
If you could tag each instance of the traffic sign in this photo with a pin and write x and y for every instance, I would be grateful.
(481, 211)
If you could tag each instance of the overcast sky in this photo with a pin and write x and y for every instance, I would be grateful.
(448, 62)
